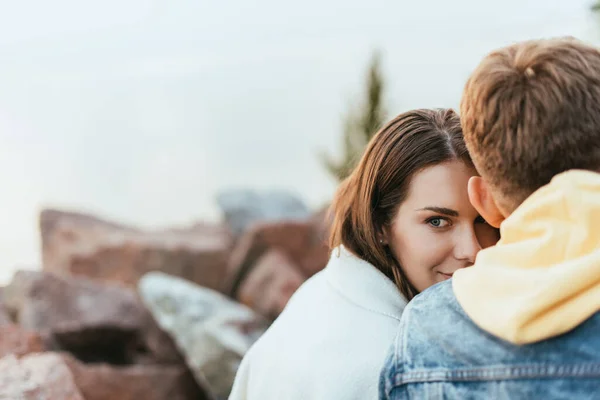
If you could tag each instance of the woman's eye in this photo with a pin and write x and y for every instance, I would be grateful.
(438, 222)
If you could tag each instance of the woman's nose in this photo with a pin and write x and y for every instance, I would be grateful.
(467, 246)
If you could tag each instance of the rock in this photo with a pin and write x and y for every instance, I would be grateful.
(211, 331)
(243, 208)
(316, 256)
(37, 377)
(299, 241)
(18, 341)
(147, 382)
(80, 244)
(322, 220)
(96, 322)
(271, 283)
(5, 317)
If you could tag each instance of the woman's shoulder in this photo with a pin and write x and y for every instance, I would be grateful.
(322, 326)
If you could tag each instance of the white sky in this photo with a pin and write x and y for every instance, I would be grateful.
(142, 110)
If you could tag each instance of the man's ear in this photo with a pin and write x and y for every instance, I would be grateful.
(480, 196)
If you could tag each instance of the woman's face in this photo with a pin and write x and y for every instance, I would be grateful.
(436, 230)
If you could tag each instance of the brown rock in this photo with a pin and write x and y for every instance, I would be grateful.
(97, 322)
(80, 244)
(18, 341)
(317, 256)
(36, 377)
(147, 382)
(301, 242)
(5, 318)
(271, 283)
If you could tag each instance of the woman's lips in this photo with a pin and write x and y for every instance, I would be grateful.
(445, 275)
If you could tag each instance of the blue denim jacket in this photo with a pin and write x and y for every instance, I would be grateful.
(439, 353)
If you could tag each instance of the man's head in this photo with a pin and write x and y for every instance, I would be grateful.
(529, 112)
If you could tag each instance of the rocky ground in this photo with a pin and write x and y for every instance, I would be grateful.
(122, 313)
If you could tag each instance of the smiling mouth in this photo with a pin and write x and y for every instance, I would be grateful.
(445, 275)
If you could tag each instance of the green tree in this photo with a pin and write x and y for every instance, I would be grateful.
(360, 124)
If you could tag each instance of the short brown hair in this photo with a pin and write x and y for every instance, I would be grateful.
(531, 111)
(370, 197)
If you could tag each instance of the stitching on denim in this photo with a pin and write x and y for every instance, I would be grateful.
(398, 342)
(591, 370)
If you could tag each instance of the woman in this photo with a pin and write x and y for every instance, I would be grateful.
(401, 223)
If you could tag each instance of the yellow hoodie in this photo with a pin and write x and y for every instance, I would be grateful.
(542, 279)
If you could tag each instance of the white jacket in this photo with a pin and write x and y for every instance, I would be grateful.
(331, 340)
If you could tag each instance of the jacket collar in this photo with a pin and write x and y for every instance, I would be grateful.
(363, 284)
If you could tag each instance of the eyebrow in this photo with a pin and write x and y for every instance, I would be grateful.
(442, 210)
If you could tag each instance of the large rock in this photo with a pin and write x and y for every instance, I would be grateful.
(80, 244)
(5, 318)
(97, 322)
(211, 331)
(317, 255)
(137, 382)
(322, 221)
(37, 377)
(301, 242)
(18, 341)
(271, 284)
(243, 208)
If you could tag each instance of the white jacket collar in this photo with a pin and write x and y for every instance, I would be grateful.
(363, 284)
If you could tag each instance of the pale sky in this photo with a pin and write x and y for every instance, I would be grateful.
(142, 110)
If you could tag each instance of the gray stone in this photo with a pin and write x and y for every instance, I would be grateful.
(243, 208)
(211, 331)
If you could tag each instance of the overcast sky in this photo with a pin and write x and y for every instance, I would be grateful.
(142, 110)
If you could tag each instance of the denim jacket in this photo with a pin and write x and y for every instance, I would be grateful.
(439, 353)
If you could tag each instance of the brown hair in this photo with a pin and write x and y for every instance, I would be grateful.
(531, 111)
(369, 198)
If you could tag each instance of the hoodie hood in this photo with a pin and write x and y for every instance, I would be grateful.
(542, 279)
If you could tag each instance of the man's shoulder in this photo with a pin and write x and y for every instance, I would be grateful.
(431, 325)
(435, 330)
(438, 294)
(436, 305)
(433, 313)
(438, 342)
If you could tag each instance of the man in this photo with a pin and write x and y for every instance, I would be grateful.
(524, 321)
